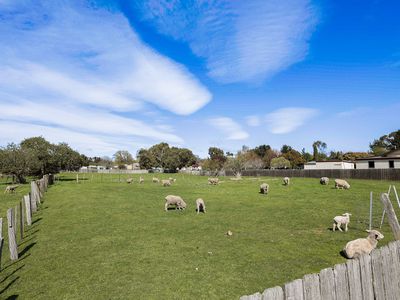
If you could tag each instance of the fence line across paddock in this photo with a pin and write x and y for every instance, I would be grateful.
(19, 218)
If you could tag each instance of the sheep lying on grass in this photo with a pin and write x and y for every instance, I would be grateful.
(166, 182)
(341, 184)
(129, 180)
(359, 247)
(339, 220)
(10, 189)
(156, 180)
(286, 181)
(174, 200)
(213, 181)
(200, 206)
(324, 181)
(264, 188)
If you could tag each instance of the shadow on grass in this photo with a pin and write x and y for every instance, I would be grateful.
(12, 297)
(37, 220)
(12, 273)
(8, 286)
(26, 249)
(72, 179)
(15, 262)
(343, 254)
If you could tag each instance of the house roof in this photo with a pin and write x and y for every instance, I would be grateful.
(327, 161)
(380, 158)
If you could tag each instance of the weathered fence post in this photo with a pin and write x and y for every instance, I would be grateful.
(294, 290)
(33, 202)
(21, 219)
(15, 218)
(12, 243)
(393, 222)
(28, 212)
(1, 240)
(311, 287)
(370, 211)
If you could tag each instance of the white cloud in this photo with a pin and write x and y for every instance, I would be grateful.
(241, 40)
(230, 128)
(253, 121)
(288, 119)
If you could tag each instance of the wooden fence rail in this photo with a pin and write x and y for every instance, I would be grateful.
(374, 276)
(377, 174)
(21, 214)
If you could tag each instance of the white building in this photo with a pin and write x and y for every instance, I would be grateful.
(329, 165)
(390, 161)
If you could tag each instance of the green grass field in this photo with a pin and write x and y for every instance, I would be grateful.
(101, 239)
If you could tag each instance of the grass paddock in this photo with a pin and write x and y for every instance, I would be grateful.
(105, 239)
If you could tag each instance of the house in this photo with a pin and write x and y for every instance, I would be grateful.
(329, 165)
(390, 160)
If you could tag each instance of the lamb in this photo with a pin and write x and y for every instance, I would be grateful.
(341, 184)
(174, 200)
(200, 206)
(129, 180)
(10, 188)
(156, 180)
(358, 247)
(264, 188)
(166, 182)
(324, 181)
(141, 180)
(339, 220)
(213, 181)
(286, 181)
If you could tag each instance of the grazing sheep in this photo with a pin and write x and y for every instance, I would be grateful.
(324, 181)
(341, 184)
(166, 182)
(172, 179)
(264, 188)
(174, 200)
(358, 247)
(10, 189)
(129, 180)
(339, 220)
(286, 181)
(213, 181)
(141, 180)
(156, 180)
(200, 206)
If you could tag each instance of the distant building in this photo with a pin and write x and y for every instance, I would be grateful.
(329, 165)
(389, 161)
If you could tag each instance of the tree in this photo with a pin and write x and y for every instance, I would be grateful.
(306, 156)
(269, 155)
(42, 155)
(336, 155)
(386, 143)
(146, 160)
(216, 160)
(295, 158)
(123, 158)
(354, 155)
(65, 158)
(16, 161)
(286, 149)
(262, 150)
(318, 149)
(280, 163)
(159, 153)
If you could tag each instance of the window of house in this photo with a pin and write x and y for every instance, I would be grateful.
(391, 164)
(371, 164)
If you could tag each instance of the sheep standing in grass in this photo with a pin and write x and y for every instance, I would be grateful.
(156, 180)
(166, 182)
(10, 189)
(341, 184)
(359, 247)
(129, 180)
(324, 181)
(174, 200)
(286, 181)
(264, 188)
(213, 181)
(339, 220)
(200, 206)
(141, 180)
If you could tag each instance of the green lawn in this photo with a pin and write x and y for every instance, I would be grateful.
(101, 239)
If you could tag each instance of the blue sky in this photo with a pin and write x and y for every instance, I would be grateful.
(110, 75)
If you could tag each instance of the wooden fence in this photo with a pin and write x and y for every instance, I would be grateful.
(21, 215)
(374, 276)
(377, 174)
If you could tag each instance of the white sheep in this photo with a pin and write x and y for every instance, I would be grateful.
(174, 200)
(166, 182)
(141, 180)
(339, 220)
(156, 180)
(10, 188)
(286, 181)
(129, 180)
(200, 206)
(362, 246)
(213, 181)
(264, 188)
(341, 184)
(172, 179)
(324, 181)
